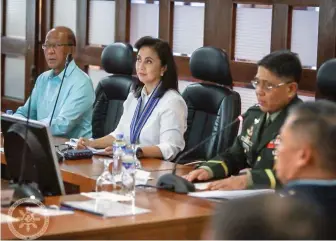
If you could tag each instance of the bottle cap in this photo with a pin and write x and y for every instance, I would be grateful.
(9, 112)
(120, 136)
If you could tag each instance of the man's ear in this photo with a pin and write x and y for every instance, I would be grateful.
(292, 89)
(305, 157)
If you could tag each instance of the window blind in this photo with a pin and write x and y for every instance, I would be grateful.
(188, 28)
(16, 19)
(253, 33)
(101, 22)
(65, 14)
(14, 77)
(305, 35)
(144, 20)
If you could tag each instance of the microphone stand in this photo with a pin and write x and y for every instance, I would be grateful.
(172, 182)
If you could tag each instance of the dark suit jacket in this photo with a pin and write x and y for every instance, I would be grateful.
(323, 197)
(254, 148)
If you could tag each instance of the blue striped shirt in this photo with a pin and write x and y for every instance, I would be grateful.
(73, 113)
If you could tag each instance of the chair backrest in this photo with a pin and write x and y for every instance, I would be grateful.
(112, 91)
(211, 106)
(326, 80)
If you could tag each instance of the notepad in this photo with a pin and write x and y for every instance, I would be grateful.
(230, 194)
(106, 208)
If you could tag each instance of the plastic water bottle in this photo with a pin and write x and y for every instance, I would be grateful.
(128, 174)
(9, 112)
(119, 147)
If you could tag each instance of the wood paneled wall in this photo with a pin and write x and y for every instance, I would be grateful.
(217, 13)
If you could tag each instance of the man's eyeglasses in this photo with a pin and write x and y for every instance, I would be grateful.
(54, 46)
(266, 85)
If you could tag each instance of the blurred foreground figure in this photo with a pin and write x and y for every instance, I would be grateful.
(306, 159)
(266, 217)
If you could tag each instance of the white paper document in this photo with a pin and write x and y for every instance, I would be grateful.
(230, 194)
(73, 144)
(141, 177)
(107, 196)
(201, 185)
(49, 211)
(106, 208)
(8, 219)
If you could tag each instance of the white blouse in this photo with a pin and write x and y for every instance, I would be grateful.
(165, 126)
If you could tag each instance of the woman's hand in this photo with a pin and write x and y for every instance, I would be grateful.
(109, 150)
(83, 143)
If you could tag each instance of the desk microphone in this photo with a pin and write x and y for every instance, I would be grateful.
(67, 62)
(178, 184)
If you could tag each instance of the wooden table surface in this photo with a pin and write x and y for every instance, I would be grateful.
(172, 216)
(83, 173)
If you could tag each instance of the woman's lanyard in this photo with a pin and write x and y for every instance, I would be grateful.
(139, 119)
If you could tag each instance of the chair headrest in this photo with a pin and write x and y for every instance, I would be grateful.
(326, 79)
(211, 64)
(117, 58)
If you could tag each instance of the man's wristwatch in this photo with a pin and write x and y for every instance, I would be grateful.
(139, 153)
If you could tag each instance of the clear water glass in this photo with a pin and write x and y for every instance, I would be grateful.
(128, 175)
(106, 181)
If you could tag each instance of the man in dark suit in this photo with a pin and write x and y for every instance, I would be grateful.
(276, 84)
(306, 158)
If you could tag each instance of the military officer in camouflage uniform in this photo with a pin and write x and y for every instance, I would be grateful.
(249, 162)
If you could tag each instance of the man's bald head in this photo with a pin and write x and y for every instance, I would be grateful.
(67, 32)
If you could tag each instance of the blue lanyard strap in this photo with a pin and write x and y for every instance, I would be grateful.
(140, 118)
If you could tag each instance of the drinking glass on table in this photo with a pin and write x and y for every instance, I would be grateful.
(106, 181)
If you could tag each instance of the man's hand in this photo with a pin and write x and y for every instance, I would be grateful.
(198, 174)
(231, 183)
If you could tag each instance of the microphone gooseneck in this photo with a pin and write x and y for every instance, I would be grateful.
(178, 184)
(67, 62)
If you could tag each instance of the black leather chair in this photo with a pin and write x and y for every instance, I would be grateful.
(326, 80)
(112, 91)
(211, 106)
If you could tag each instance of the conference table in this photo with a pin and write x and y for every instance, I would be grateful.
(171, 216)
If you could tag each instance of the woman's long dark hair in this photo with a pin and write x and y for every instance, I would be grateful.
(169, 79)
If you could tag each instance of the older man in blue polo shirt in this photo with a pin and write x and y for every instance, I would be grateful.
(73, 113)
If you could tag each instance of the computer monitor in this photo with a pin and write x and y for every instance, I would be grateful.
(41, 166)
